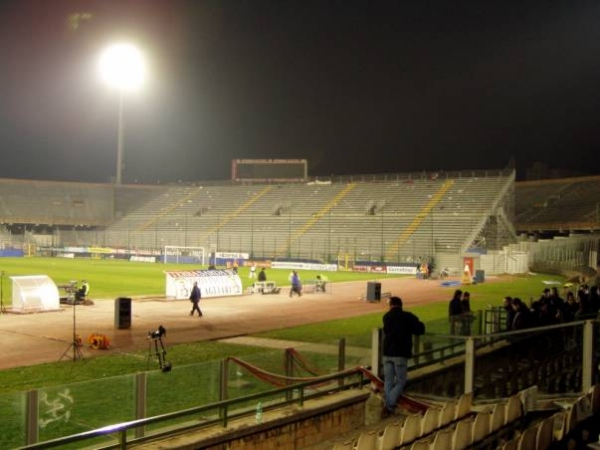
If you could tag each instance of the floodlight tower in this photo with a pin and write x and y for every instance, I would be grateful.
(122, 67)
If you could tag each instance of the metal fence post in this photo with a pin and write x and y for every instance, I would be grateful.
(376, 351)
(140, 401)
(224, 378)
(588, 356)
(31, 428)
(469, 364)
(289, 370)
(341, 354)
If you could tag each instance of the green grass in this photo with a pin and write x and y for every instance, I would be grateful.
(110, 278)
(356, 330)
(194, 379)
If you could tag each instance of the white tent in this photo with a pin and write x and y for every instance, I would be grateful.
(34, 293)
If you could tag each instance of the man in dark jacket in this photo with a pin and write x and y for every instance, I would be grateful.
(398, 329)
(195, 296)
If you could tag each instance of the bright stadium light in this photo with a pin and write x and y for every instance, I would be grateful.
(122, 66)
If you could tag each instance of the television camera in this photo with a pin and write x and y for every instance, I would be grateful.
(159, 348)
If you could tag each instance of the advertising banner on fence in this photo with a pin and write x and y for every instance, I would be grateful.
(402, 270)
(364, 268)
(303, 266)
(394, 270)
(212, 283)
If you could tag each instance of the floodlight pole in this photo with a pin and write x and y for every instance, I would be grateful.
(121, 132)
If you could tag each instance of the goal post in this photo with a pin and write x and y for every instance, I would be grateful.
(176, 254)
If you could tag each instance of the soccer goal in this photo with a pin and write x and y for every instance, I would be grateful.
(184, 255)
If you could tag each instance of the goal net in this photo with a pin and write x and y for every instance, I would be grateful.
(184, 255)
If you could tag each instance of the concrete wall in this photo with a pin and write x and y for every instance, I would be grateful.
(289, 428)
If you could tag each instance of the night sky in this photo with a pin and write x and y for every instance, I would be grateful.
(352, 86)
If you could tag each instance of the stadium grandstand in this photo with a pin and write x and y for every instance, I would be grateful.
(489, 389)
(405, 218)
(558, 206)
(379, 218)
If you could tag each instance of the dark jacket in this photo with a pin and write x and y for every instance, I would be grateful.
(398, 328)
(195, 294)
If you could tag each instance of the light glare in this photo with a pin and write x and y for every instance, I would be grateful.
(122, 66)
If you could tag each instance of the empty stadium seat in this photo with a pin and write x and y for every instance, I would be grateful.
(411, 429)
(346, 445)
(366, 441)
(389, 437)
(422, 444)
(463, 433)
(514, 409)
(545, 434)
(498, 416)
(527, 439)
(509, 445)
(443, 439)
(431, 420)
(448, 413)
(481, 425)
(464, 405)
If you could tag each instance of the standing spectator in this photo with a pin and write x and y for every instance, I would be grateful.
(455, 311)
(398, 328)
(594, 299)
(262, 275)
(467, 314)
(571, 307)
(296, 285)
(557, 304)
(195, 296)
(584, 303)
(510, 312)
(522, 317)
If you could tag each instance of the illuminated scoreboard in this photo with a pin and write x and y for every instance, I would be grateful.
(269, 169)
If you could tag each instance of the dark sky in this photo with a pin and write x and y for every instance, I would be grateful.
(352, 86)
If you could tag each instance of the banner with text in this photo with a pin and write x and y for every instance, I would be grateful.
(303, 266)
(212, 283)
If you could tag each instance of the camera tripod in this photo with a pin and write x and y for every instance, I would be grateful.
(75, 345)
(159, 352)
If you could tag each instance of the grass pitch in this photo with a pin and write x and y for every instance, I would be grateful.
(111, 278)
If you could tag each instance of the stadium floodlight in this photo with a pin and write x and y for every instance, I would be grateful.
(122, 66)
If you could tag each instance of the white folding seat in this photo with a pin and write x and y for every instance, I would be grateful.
(514, 409)
(527, 439)
(448, 413)
(389, 438)
(583, 407)
(346, 445)
(463, 433)
(464, 405)
(431, 420)
(545, 434)
(498, 417)
(481, 425)
(411, 429)
(422, 444)
(366, 441)
(443, 439)
(510, 445)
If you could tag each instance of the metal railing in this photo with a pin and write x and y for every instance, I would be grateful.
(223, 411)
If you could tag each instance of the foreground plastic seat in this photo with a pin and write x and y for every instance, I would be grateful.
(390, 437)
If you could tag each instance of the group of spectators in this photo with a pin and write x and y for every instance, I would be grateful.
(460, 314)
(552, 309)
